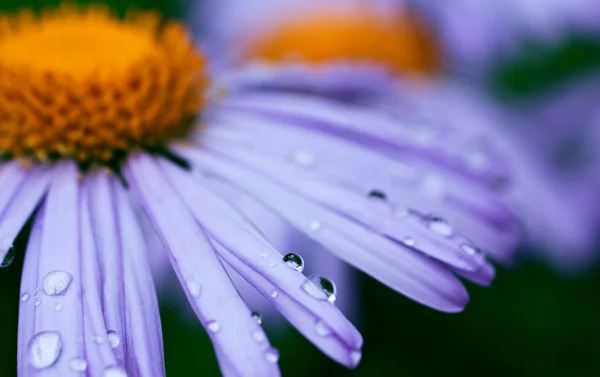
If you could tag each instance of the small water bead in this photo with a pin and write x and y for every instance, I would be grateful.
(408, 241)
(470, 250)
(78, 365)
(99, 339)
(272, 264)
(315, 225)
(25, 297)
(274, 293)
(304, 158)
(213, 326)
(439, 225)
(113, 338)
(378, 194)
(355, 356)
(257, 317)
(294, 261)
(56, 283)
(258, 336)
(322, 328)
(114, 371)
(316, 285)
(9, 257)
(194, 288)
(38, 302)
(58, 308)
(272, 356)
(44, 349)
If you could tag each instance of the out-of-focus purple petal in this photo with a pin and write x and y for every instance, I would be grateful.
(226, 318)
(56, 292)
(12, 174)
(397, 266)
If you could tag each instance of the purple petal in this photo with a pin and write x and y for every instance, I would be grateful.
(103, 210)
(12, 174)
(227, 319)
(57, 321)
(21, 206)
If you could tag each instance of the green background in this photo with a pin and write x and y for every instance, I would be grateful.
(531, 322)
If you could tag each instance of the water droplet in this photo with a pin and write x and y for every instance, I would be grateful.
(56, 283)
(322, 328)
(25, 297)
(99, 339)
(355, 356)
(38, 302)
(304, 158)
(470, 250)
(257, 317)
(58, 308)
(44, 349)
(113, 338)
(213, 326)
(439, 225)
(9, 257)
(272, 355)
(194, 288)
(409, 241)
(114, 371)
(294, 261)
(315, 225)
(272, 264)
(378, 194)
(258, 336)
(78, 365)
(316, 285)
(274, 293)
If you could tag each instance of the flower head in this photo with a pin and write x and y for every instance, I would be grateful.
(88, 302)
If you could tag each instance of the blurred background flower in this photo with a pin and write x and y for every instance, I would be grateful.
(530, 321)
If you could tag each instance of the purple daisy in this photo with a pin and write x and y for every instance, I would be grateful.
(89, 135)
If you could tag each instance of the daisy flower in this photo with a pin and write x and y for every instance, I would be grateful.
(98, 117)
(330, 50)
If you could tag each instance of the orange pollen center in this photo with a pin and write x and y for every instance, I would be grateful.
(402, 44)
(82, 84)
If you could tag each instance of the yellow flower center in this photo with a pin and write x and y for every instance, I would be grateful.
(402, 44)
(82, 84)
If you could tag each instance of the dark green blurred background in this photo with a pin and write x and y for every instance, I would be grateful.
(531, 322)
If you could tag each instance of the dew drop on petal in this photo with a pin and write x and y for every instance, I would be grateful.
(257, 317)
(194, 288)
(322, 328)
(304, 158)
(56, 283)
(44, 349)
(439, 225)
(114, 371)
(378, 194)
(213, 326)
(355, 356)
(272, 355)
(274, 293)
(78, 365)
(409, 241)
(470, 250)
(272, 264)
(58, 308)
(38, 302)
(315, 225)
(316, 285)
(9, 257)
(113, 338)
(258, 336)
(294, 261)
(25, 297)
